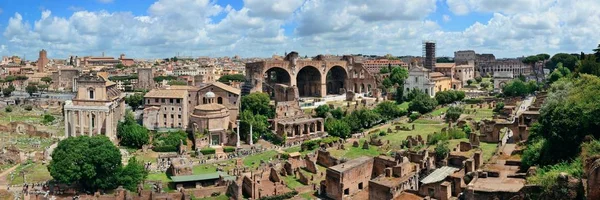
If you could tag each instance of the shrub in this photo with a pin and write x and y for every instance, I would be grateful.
(310, 145)
(8, 109)
(382, 133)
(329, 140)
(48, 119)
(28, 107)
(228, 149)
(456, 133)
(453, 113)
(473, 101)
(499, 107)
(207, 151)
(441, 149)
(478, 79)
(285, 156)
(414, 116)
(547, 176)
(169, 141)
(532, 154)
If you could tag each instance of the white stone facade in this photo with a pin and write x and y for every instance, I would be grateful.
(418, 78)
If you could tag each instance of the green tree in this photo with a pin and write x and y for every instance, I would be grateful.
(10, 79)
(258, 104)
(515, 88)
(177, 82)
(338, 128)
(469, 82)
(397, 77)
(47, 80)
(389, 110)
(566, 59)
(135, 100)
(8, 90)
(441, 150)
(89, 162)
(596, 53)
(478, 79)
(232, 77)
(48, 119)
(130, 133)
(453, 113)
(322, 111)
(159, 79)
(337, 113)
(589, 66)
(43, 87)
(422, 103)
(484, 85)
(387, 83)
(499, 107)
(260, 125)
(120, 66)
(132, 174)
(384, 70)
(31, 88)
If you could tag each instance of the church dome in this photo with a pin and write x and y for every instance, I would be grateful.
(210, 95)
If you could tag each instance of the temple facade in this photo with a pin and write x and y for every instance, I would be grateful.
(96, 108)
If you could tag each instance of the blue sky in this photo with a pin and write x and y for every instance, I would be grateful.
(163, 28)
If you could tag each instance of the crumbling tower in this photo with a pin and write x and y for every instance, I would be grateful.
(429, 54)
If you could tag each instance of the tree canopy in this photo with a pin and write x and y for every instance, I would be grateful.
(338, 128)
(31, 88)
(131, 133)
(232, 77)
(422, 103)
(519, 88)
(258, 104)
(93, 163)
(389, 110)
(569, 61)
(135, 100)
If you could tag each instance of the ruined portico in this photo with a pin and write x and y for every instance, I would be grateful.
(96, 108)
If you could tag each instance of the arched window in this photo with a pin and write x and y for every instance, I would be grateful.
(220, 100)
(91, 93)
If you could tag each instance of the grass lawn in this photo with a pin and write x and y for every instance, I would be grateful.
(355, 152)
(481, 114)
(34, 172)
(254, 160)
(438, 112)
(204, 169)
(425, 121)
(292, 182)
(423, 128)
(489, 149)
(404, 105)
(308, 195)
(158, 177)
(297, 149)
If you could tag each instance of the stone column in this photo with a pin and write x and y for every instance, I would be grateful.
(66, 123)
(237, 143)
(72, 121)
(98, 123)
(91, 129)
(80, 122)
(109, 131)
(251, 142)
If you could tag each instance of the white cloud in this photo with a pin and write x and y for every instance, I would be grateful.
(201, 27)
(446, 18)
(105, 1)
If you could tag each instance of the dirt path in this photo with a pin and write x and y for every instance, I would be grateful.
(4, 176)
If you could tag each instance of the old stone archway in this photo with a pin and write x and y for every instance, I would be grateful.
(275, 75)
(309, 82)
(336, 80)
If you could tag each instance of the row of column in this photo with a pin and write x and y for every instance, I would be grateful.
(94, 120)
(305, 129)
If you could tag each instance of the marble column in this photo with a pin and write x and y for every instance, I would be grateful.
(90, 127)
(66, 123)
(237, 143)
(98, 123)
(72, 121)
(251, 142)
(109, 126)
(80, 122)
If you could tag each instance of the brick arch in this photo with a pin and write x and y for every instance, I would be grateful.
(307, 81)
